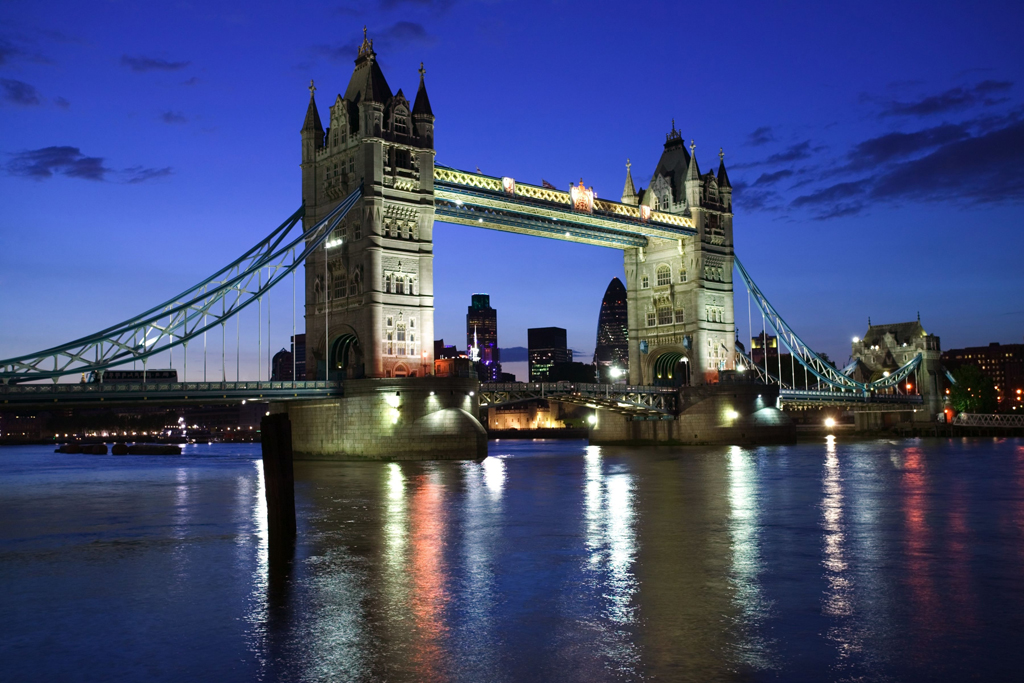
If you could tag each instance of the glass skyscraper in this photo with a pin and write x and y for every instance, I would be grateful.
(611, 353)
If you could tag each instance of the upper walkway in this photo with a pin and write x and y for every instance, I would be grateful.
(502, 204)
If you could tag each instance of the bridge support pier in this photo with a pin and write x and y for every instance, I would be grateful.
(709, 414)
(413, 418)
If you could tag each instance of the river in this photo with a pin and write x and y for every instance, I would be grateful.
(890, 560)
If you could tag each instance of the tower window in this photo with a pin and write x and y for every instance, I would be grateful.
(645, 282)
(664, 276)
(399, 285)
(664, 313)
(387, 288)
(652, 319)
(680, 316)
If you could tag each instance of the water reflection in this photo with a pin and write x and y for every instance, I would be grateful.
(428, 518)
(610, 538)
(914, 482)
(744, 528)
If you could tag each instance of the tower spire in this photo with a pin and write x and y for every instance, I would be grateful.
(723, 177)
(629, 190)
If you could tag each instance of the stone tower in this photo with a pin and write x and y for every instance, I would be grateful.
(370, 289)
(681, 324)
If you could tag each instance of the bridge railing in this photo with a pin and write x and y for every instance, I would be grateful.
(575, 387)
(981, 420)
(95, 388)
(848, 396)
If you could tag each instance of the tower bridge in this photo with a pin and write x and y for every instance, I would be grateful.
(371, 193)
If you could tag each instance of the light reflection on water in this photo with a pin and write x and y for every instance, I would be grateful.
(555, 561)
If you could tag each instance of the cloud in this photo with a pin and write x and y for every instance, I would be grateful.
(8, 51)
(399, 35)
(61, 102)
(988, 168)
(891, 146)
(769, 178)
(40, 164)
(19, 92)
(144, 64)
(986, 93)
(832, 193)
(760, 136)
(801, 150)
(173, 117)
(138, 174)
(754, 199)
(432, 4)
(192, 81)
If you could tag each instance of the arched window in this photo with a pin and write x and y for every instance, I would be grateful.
(664, 276)
(399, 285)
(354, 284)
(340, 285)
(682, 274)
(318, 289)
(387, 283)
(645, 282)
(389, 343)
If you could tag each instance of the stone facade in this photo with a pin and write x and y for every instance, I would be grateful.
(680, 305)
(886, 348)
(428, 418)
(710, 414)
(370, 289)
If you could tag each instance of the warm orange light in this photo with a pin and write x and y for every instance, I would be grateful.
(909, 386)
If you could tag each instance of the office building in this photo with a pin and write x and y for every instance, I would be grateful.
(547, 346)
(1002, 363)
(611, 353)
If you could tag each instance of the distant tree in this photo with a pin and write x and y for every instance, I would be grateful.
(973, 391)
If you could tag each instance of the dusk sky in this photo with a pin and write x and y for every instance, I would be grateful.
(876, 150)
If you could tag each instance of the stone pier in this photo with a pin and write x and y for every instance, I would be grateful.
(413, 418)
(710, 414)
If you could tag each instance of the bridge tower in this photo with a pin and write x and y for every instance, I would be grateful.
(370, 289)
(681, 323)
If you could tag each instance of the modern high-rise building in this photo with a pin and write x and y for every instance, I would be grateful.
(611, 354)
(1002, 363)
(482, 337)
(547, 347)
(299, 349)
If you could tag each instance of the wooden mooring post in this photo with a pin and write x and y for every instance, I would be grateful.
(279, 482)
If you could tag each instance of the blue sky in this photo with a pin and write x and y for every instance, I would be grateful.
(877, 149)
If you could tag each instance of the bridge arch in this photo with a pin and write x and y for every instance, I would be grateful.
(345, 358)
(668, 366)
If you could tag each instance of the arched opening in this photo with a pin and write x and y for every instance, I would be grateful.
(401, 370)
(342, 355)
(671, 369)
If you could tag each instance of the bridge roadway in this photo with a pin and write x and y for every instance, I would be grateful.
(165, 392)
(638, 401)
(811, 398)
(642, 402)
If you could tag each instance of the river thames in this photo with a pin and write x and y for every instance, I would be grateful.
(891, 560)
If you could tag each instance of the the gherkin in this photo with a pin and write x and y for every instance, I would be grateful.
(611, 353)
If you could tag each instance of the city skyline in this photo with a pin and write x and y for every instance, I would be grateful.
(838, 174)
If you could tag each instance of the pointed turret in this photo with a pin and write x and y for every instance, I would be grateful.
(312, 122)
(629, 190)
(422, 114)
(724, 186)
(422, 105)
(692, 181)
(723, 177)
(312, 130)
